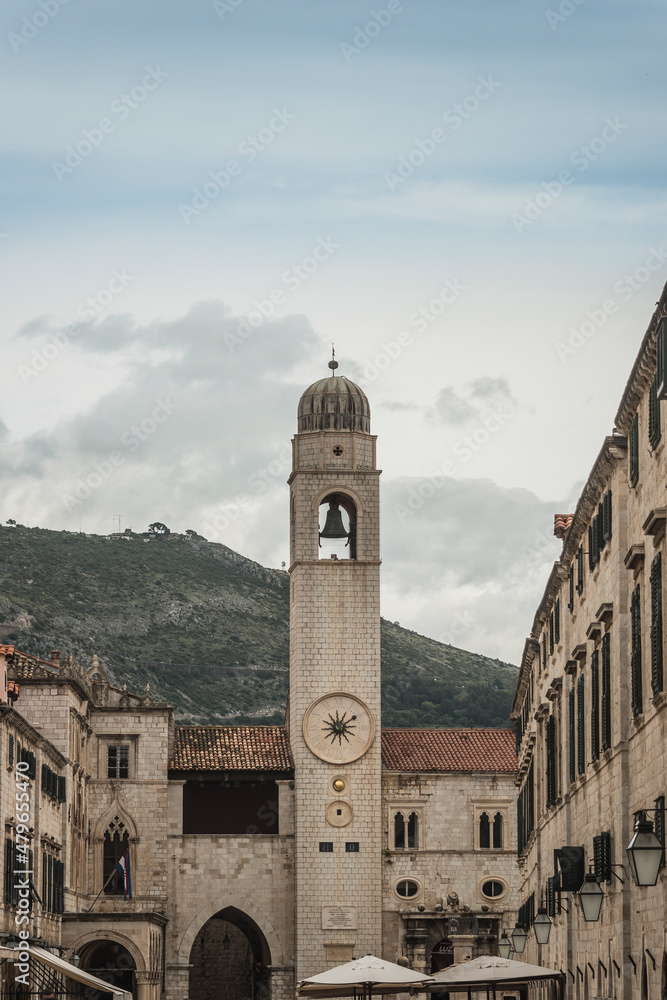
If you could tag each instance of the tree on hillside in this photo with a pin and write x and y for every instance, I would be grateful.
(158, 529)
(11, 521)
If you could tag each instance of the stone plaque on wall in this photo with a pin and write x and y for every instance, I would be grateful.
(336, 918)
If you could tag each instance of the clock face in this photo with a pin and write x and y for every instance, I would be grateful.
(338, 728)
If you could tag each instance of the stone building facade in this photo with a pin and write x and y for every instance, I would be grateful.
(260, 855)
(589, 708)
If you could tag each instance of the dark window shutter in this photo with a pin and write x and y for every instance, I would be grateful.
(552, 632)
(11, 749)
(31, 876)
(573, 772)
(661, 368)
(660, 825)
(636, 651)
(595, 705)
(551, 895)
(592, 542)
(580, 570)
(606, 516)
(544, 651)
(602, 856)
(570, 602)
(656, 624)
(45, 876)
(551, 761)
(602, 541)
(557, 621)
(519, 823)
(581, 727)
(606, 692)
(634, 450)
(654, 429)
(9, 870)
(62, 789)
(45, 778)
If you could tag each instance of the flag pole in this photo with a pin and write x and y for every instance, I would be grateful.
(102, 890)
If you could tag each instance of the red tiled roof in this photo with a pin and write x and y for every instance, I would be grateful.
(6, 650)
(449, 750)
(231, 748)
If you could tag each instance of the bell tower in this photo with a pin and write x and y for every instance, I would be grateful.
(334, 698)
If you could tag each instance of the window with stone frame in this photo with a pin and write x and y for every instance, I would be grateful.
(406, 829)
(491, 826)
(118, 760)
(116, 842)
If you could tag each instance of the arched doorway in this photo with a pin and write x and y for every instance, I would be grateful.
(230, 957)
(111, 962)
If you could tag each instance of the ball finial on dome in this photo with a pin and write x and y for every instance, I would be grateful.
(333, 364)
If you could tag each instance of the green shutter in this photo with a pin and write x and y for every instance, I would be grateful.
(636, 651)
(551, 761)
(557, 621)
(573, 772)
(654, 429)
(595, 705)
(656, 624)
(661, 357)
(581, 727)
(580, 570)
(570, 602)
(606, 516)
(606, 692)
(634, 450)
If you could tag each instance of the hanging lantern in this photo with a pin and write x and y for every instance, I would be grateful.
(590, 897)
(504, 946)
(644, 851)
(519, 938)
(542, 925)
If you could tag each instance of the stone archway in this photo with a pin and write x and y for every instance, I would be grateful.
(111, 961)
(230, 957)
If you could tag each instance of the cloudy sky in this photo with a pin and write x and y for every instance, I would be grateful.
(468, 198)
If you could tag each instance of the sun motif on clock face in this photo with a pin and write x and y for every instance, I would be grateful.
(338, 728)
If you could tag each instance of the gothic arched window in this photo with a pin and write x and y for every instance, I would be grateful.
(413, 831)
(399, 832)
(484, 831)
(116, 842)
(498, 830)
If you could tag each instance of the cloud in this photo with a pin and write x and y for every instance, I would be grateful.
(466, 560)
(201, 413)
(454, 409)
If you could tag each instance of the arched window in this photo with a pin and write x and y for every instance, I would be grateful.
(116, 842)
(406, 835)
(399, 832)
(413, 831)
(484, 831)
(498, 830)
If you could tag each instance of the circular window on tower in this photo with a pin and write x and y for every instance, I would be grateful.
(493, 888)
(407, 888)
(338, 450)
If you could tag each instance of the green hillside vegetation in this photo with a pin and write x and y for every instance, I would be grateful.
(209, 630)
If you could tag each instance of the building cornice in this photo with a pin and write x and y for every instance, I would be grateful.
(642, 370)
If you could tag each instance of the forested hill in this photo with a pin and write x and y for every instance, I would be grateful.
(208, 629)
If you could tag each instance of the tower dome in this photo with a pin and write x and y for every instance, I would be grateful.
(334, 404)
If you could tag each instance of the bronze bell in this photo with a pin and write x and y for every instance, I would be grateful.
(333, 527)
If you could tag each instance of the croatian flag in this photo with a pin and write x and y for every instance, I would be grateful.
(123, 868)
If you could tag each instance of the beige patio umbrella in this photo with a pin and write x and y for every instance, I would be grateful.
(489, 972)
(368, 976)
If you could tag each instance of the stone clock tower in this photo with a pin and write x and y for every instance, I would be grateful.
(334, 699)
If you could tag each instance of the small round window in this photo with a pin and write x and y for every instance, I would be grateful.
(407, 888)
(493, 888)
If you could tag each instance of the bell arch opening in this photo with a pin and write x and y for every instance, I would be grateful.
(230, 957)
(337, 518)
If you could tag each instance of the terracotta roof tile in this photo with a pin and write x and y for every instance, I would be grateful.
(562, 524)
(231, 748)
(449, 750)
(6, 650)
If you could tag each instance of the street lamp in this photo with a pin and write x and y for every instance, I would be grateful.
(519, 938)
(644, 851)
(542, 925)
(75, 960)
(504, 946)
(590, 897)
